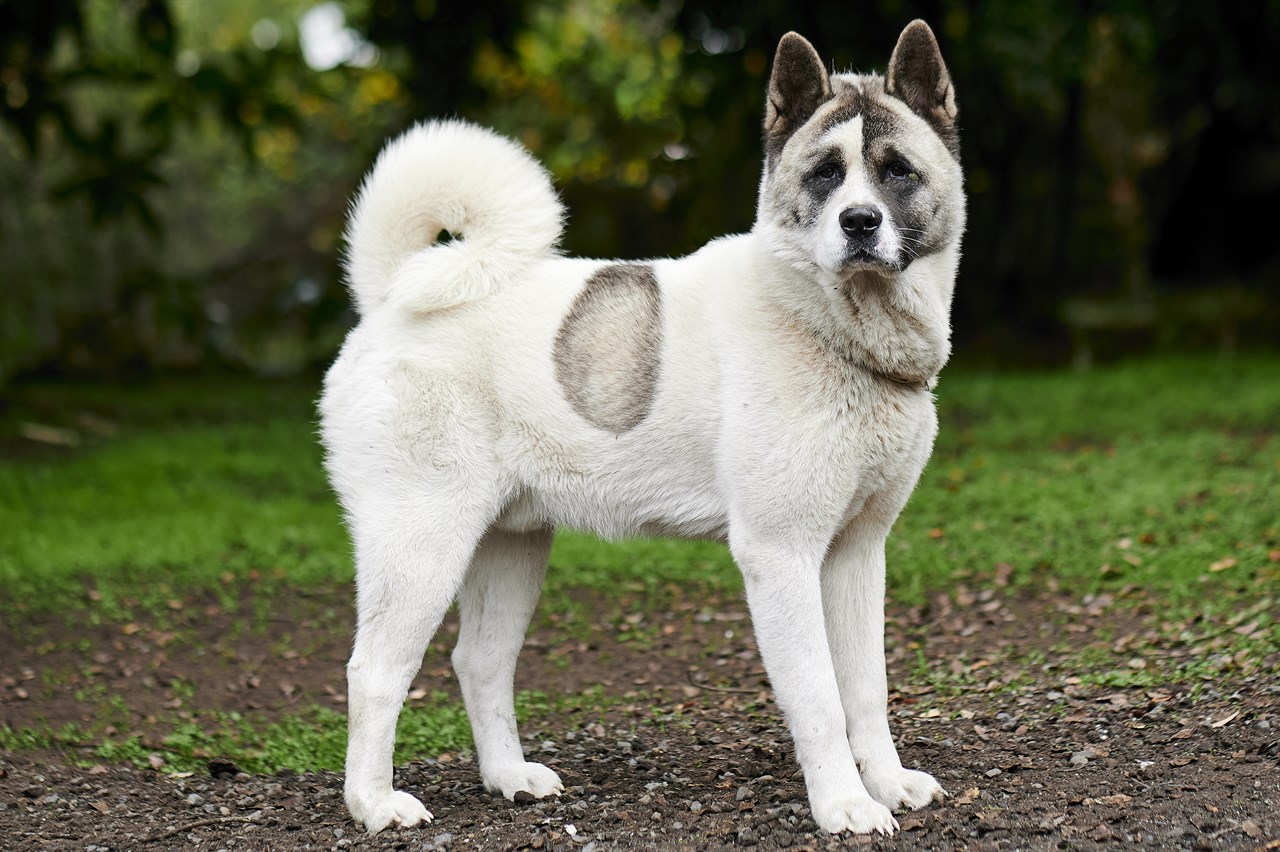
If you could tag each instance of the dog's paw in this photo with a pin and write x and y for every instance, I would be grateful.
(396, 808)
(859, 814)
(903, 789)
(532, 778)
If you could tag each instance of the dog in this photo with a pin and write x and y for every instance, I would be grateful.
(771, 390)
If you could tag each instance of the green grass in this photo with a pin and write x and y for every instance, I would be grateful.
(1147, 474)
(1161, 474)
(310, 740)
(1157, 470)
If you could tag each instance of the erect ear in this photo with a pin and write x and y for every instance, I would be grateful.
(918, 76)
(798, 86)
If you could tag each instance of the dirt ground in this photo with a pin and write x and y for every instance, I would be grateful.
(1026, 708)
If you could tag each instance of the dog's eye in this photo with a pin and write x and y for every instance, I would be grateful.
(827, 171)
(901, 171)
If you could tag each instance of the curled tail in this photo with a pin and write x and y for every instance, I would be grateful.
(485, 190)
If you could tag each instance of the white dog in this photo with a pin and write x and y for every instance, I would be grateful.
(770, 391)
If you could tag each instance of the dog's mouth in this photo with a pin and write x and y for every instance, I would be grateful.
(864, 260)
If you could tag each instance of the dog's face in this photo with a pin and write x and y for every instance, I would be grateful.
(862, 172)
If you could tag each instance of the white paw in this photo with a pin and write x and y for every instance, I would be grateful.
(532, 778)
(859, 814)
(903, 789)
(396, 808)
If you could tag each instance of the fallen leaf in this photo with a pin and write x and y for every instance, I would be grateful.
(1116, 799)
(968, 796)
(100, 807)
(1223, 564)
(1251, 828)
(1003, 572)
(52, 435)
(1225, 720)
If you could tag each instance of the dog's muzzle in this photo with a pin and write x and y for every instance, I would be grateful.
(861, 227)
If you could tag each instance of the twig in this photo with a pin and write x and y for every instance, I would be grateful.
(200, 823)
(711, 688)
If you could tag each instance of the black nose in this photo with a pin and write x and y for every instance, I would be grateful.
(860, 221)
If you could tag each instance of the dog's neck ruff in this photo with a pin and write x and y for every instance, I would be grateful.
(844, 354)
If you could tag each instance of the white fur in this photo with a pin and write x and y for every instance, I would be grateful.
(451, 176)
(455, 452)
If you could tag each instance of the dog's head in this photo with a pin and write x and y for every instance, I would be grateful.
(862, 171)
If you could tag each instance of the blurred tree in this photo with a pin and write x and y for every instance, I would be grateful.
(167, 183)
(174, 173)
(105, 81)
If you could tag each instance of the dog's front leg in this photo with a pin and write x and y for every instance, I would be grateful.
(784, 593)
(853, 582)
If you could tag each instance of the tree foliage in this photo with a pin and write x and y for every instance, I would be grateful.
(182, 172)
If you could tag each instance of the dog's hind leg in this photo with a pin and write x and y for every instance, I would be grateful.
(408, 573)
(853, 584)
(495, 606)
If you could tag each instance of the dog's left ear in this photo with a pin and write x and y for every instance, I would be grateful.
(798, 85)
(918, 76)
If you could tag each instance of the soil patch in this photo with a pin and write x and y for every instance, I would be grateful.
(1053, 721)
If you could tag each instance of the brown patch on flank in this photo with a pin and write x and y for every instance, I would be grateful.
(608, 348)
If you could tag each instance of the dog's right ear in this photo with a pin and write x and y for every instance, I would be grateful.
(798, 86)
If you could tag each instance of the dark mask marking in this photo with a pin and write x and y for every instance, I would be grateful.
(913, 205)
(608, 349)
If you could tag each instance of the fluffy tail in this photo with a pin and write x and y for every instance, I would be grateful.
(485, 190)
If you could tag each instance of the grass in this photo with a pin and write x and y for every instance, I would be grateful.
(1161, 473)
(310, 740)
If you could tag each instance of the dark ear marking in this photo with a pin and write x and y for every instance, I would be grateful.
(798, 86)
(918, 76)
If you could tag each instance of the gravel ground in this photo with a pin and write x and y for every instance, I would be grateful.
(689, 751)
(714, 779)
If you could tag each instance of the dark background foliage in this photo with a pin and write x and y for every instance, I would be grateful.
(173, 175)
